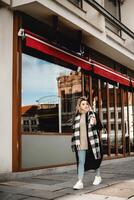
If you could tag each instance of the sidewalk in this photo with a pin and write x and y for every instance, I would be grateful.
(117, 184)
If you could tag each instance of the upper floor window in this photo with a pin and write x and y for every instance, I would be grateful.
(78, 3)
(113, 7)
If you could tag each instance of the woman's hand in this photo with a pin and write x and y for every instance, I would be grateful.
(93, 120)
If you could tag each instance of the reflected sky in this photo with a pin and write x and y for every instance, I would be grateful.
(39, 79)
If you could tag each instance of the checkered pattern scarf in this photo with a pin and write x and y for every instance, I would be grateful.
(92, 135)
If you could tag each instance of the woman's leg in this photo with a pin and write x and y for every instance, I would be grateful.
(97, 171)
(97, 179)
(81, 156)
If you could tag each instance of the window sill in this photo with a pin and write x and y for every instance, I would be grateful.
(114, 36)
(45, 133)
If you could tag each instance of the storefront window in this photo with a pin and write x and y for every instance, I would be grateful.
(49, 95)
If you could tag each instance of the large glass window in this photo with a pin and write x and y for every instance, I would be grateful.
(112, 6)
(49, 95)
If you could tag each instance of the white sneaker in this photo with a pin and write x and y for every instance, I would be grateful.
(78, 185)
(97, 180)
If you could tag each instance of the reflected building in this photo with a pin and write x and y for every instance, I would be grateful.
(29, 120)
(69, 90)
(40, 118)
(44, 117)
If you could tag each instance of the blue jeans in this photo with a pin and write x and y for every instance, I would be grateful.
(82, 157)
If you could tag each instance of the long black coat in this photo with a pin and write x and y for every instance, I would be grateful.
(90, 161)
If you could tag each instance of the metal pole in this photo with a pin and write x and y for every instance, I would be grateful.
(60, 117)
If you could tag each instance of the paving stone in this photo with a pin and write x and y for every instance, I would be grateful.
(11, 189)
(43, 180)
(44, 194)
(38, 194)
(33, 198)
(8, 196)
(36, 186)
(23, 185)
(67, 191)
(54, 187)
(52, 178)
(61, 186)
(125, 189)
(90, 196)
(22, 191)
(118, 172)
(107, 175)
(13, 183)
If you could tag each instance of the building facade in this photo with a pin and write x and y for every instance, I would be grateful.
(52, 52)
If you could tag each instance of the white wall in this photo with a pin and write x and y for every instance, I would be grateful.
(6, 39)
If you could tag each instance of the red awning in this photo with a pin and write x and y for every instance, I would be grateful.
(132, 83)
(49, 49)
(40, 44)
(111, 74)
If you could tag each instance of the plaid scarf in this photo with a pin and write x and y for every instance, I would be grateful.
(92, 135)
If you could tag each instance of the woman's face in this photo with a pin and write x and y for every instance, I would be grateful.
(84, 106)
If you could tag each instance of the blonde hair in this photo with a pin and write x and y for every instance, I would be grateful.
(83, 98)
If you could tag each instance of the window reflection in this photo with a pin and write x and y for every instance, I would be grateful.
(119, 121)
(49, 95)
(130, 124)
(104, 135)
(69, 90)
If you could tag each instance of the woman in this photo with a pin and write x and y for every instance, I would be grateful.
(86, 141)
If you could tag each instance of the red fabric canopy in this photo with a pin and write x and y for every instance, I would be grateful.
(111, 74)
(42, 45)
(56, 52)
(132, 82)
